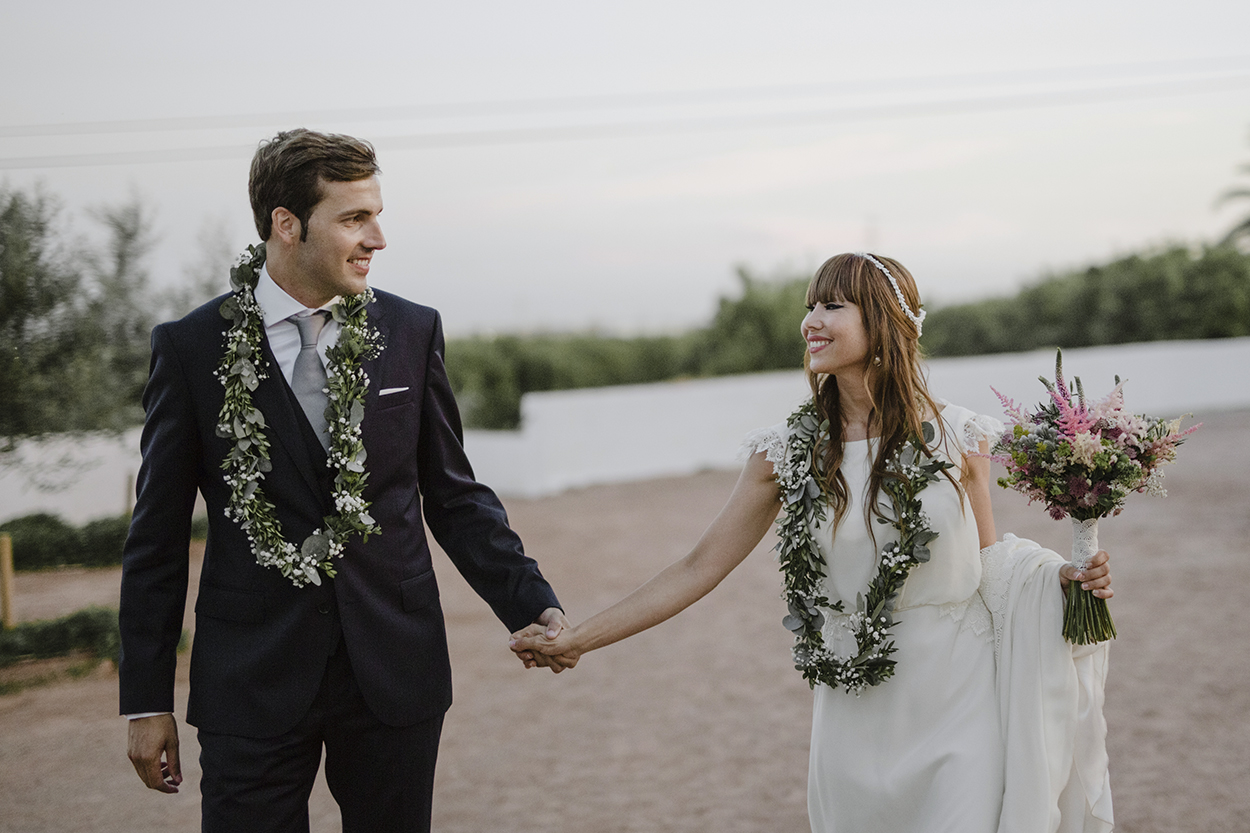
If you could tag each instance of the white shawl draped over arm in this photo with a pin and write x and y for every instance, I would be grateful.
(1050, 697)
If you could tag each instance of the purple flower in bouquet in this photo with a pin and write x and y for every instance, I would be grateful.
(1082, 461)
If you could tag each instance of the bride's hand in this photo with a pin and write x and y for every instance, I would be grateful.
(534, 648)
(1095, 577)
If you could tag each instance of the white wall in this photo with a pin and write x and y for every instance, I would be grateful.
(576, 438)
(599, 435)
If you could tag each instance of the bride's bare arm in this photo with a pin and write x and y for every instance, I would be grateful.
(741, 525)
(976, 483)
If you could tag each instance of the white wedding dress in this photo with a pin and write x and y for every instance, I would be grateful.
(991, 722)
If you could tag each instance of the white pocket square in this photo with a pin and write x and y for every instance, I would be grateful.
(389, 391)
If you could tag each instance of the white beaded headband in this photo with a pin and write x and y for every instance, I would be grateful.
(918, 320)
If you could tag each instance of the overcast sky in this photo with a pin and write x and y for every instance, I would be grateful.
(563, 165)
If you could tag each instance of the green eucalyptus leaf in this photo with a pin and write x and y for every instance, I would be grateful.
(229, 308)
(928, 431)
(316, 546)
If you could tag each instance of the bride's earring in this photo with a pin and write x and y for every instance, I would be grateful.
(876, 360)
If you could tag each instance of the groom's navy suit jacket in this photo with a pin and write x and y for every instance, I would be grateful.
(261, 644)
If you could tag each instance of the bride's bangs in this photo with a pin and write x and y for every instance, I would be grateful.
(840, 278)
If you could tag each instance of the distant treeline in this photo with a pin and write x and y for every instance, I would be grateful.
(1169, 295)
(1172, 294)
(759, 330)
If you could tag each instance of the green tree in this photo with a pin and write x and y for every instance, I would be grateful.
(1242, 229)
(74, 323)
(44, 358)
(121, 314)
(1174, 293)
(207, 275)
(758, 330)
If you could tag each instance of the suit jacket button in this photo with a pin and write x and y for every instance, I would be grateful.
(323, 608)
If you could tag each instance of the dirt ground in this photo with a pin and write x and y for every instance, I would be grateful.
(702, 724)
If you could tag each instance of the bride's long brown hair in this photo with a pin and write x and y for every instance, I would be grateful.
(899, 396)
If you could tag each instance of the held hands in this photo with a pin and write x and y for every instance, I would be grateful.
(152, 746)
(1095, 577)
(546, 645)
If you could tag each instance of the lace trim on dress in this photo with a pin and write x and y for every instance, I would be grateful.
(995, 588)
(980, 427)
(971, 615)
(772, 441)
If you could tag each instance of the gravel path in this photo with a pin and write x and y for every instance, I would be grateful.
(701, 724)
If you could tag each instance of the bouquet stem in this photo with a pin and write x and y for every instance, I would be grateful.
(1086, 619)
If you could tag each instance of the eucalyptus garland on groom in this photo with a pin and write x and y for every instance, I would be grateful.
(314, 415)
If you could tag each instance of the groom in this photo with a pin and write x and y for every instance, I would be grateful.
(356, 662)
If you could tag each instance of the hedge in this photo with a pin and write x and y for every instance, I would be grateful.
(93, 629)
(43, 540)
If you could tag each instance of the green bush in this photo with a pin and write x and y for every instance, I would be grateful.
(92, 629)
(1174, 293)
(1170, 294)
(103, 541)
(757, 330)
(42, 540)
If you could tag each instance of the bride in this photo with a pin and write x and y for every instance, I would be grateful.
(955, 705)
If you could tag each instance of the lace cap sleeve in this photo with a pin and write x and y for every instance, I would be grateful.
(971, 427)
(772, 441)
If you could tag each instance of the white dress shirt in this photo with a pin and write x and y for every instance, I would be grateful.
(283, 335)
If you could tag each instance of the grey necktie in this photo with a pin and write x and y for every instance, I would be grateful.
(309, 379)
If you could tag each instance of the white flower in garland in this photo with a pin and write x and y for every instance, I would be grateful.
(240, 372)
(803, 566)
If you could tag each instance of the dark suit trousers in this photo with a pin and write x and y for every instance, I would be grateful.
(381, 776)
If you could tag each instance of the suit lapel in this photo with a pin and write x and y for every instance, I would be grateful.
(371, 366)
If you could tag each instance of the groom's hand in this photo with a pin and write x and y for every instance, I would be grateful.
(153, 749)
(549, 626)
(553, 619)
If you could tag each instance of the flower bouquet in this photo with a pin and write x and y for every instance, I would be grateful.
(1082, 460)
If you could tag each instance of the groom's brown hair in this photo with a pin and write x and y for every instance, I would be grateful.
(287, 171)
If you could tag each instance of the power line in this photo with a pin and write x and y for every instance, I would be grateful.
(965, 104)
(576, 104)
